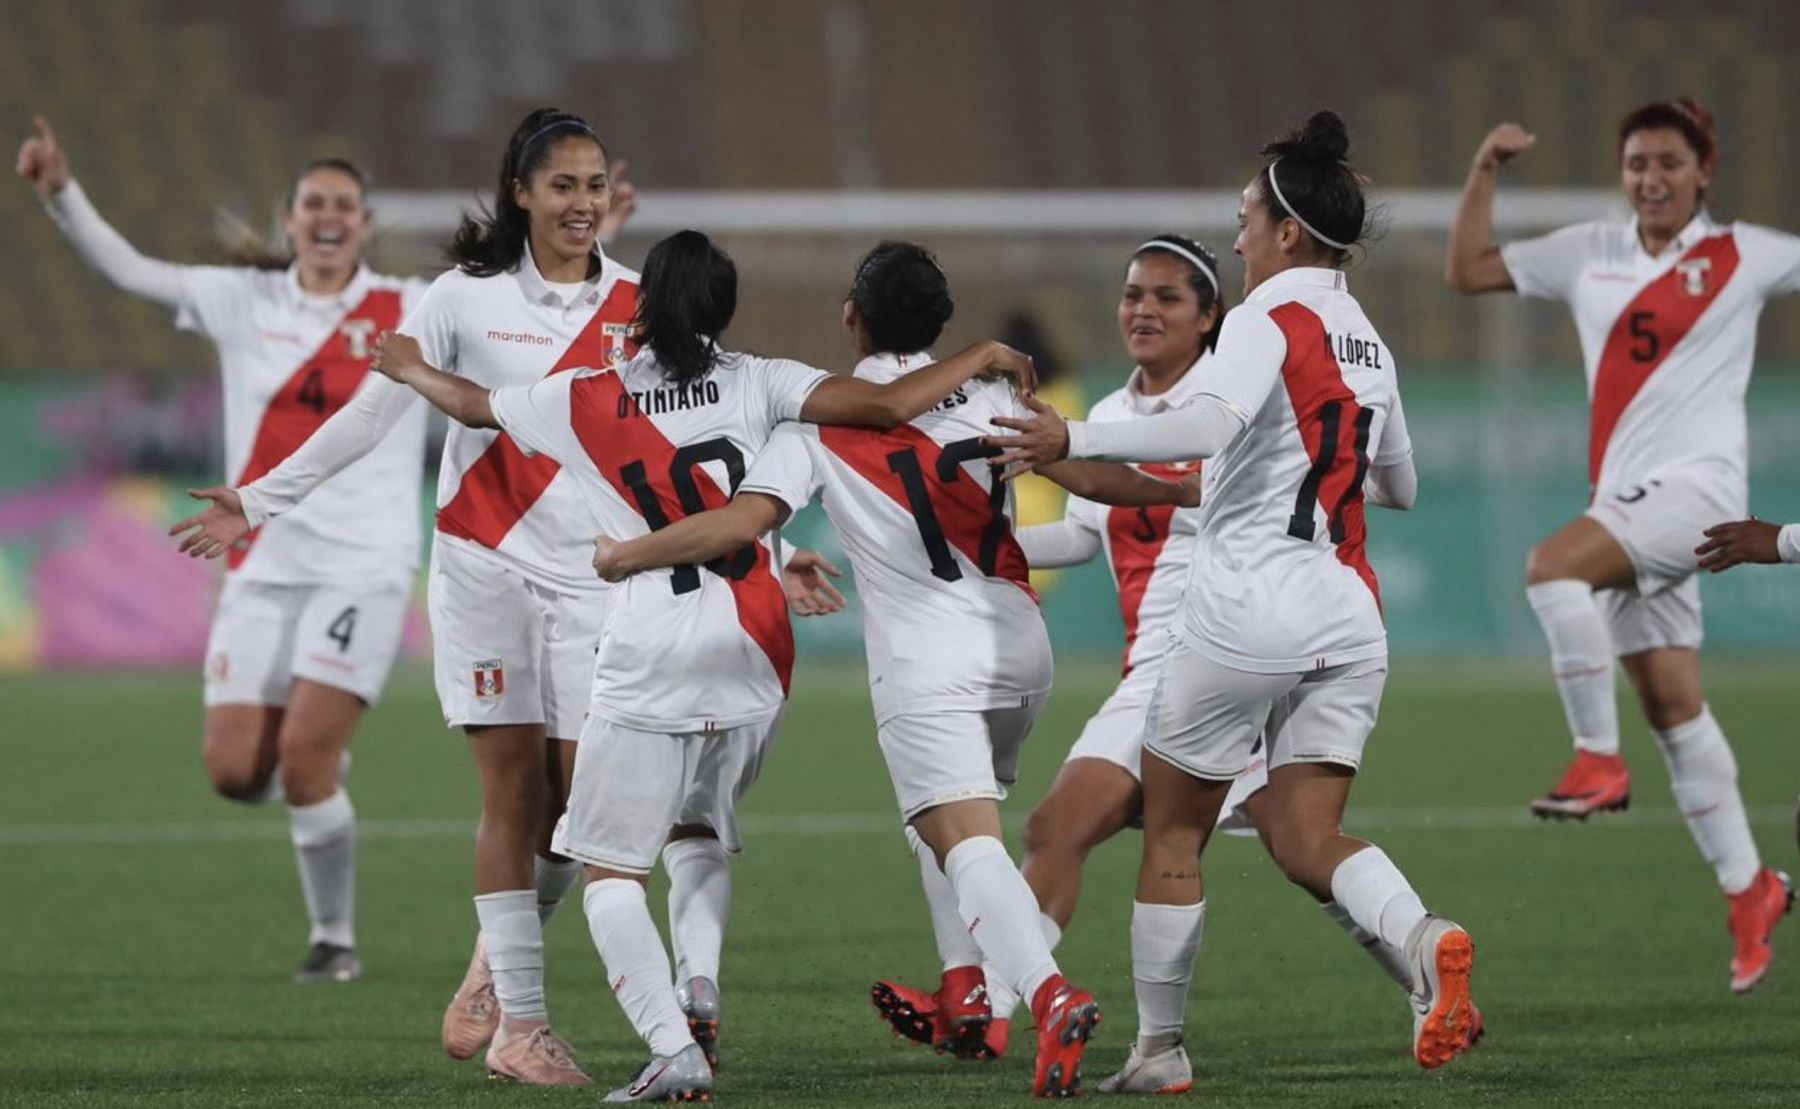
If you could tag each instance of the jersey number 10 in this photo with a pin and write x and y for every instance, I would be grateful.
(735, 566)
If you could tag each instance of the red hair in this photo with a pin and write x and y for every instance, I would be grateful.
(1686, 115)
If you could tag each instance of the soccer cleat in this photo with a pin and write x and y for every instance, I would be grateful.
(959, 1027)
(1477, 1026)
(1442, 956)
(1592, 783)
(534, 1057)
(683, 1076)
(474, 1012)
(699, 999)
(1754, 914)
(1166, 1072)
(999, 1030)
(327, 962)
(909, 1011)
(1066, 1017)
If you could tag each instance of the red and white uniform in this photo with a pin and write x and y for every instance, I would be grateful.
(1667, 343)
(1149, 551)
(959, 661)
(1281, 627)
(516, 609)
(694, 662)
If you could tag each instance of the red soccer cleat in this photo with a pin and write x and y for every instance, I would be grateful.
(1066, 1017)
(999, 1030)
(1477, 1026)
(1754, 914)
(1592, 783)
(955, 1020)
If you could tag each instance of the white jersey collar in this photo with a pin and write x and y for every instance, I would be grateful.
(887, 367)
(1697, 228)
(343, 300)
(537, 291)
(1291, 282)
(1176, 396)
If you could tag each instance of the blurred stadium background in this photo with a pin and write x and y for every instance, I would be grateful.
(1031, 144)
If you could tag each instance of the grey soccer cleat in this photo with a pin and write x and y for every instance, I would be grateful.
(1166, 1072)
(699, 999)
(327, 962)
(683, 1076)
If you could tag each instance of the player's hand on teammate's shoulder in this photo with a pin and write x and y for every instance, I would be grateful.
(1041, 440)
(1005, 361)
(41, 160)
(211, 533)
(1728, 545)
(396, 355)
(807, 581)
(1502, 145)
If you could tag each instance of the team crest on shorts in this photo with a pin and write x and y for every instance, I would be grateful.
(490, 679)
(218, 668)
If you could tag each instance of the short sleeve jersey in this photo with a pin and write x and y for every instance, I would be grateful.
(1149, 550)
(1281, 580)
(289, 359)
(506, 330)
(1667, 342)
(687, 648)
(949, 619)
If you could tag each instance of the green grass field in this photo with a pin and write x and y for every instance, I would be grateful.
(150, 928)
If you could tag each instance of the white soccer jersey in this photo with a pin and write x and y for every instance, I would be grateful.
(289, 360)
(1148, 549)
(1281, 582)
(687, 648)
(1667, 341)
(949, 618)
(508, 330)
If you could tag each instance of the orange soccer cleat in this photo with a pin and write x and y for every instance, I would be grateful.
(1444, 1015)
(1592, 783)
(1754, 914)
(1066, 1018)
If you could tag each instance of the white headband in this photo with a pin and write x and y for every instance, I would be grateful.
(1298, 218)
(1176, 248)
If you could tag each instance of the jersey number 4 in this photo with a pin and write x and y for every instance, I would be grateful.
(1331, 417)
(735, 566)
(905, 463)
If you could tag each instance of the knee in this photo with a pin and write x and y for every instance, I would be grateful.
(1047, 833)
(1295, 852)
(240, 783)
(1543, 565)
(1668, 707)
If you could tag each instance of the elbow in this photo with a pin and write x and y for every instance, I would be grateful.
(889, 414)
(1457, 276)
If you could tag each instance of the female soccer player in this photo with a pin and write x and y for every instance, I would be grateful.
(1281, 635)
(1666, 307)
(310, 616)
(692, 674)
(959, 659)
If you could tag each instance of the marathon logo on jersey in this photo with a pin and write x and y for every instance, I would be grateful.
(1693, 275)
(525, 337)
(490, 678)
(615, 341)
(1351, 351)
(655, 402)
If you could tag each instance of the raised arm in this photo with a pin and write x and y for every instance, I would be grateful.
(849, 400)
(1474, 264)
(398, 357)
(691, 541)
(1111, 483)
(42, 162)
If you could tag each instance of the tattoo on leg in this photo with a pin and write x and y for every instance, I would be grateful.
(1181, 875)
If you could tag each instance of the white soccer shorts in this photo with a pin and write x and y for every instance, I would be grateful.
(506, 650)
(935, 758)
(1234, 814)
(1659, 523)
(1115, 733)
(632, 786)
(264, 636)
(1205, 717)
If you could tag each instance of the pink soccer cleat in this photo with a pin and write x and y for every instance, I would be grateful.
(474, 1012)
(534, 1056)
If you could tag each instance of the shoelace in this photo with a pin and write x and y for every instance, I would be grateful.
(482, 1002)
(551, 1046)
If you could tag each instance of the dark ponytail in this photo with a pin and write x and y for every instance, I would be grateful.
(902, 297)
(1203, 276)
(1308, 178)
(494, 241)
(685, 302)
(243, 246)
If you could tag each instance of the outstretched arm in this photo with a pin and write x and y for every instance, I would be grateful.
(1111, 483)
(688, 542)
(849, 400)
(1064, 542)
(1474, 264)
(1197, 431)
(398, 357)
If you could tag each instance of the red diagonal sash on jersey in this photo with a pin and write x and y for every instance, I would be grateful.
(1646, 333)
(1136, 538)
(323, 384)
(499, 489)
(1315, 382)
(615, 442)
(962, 506)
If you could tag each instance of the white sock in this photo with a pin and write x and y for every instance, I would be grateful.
(324, 838)
(699, 901)
(1703, 777)
(1002, 998)
(955, 946)
(553, 880)
(1581, 657)
(1392, 959)
(515, 949)
(1001, 912)
(1165, 939)
(1376, 896)
(637, 966)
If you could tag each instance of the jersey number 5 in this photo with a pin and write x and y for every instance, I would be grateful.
(735, 566)
(1331, 417)
(905, 463)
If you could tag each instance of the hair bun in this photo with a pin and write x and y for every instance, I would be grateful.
(1322, 139)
